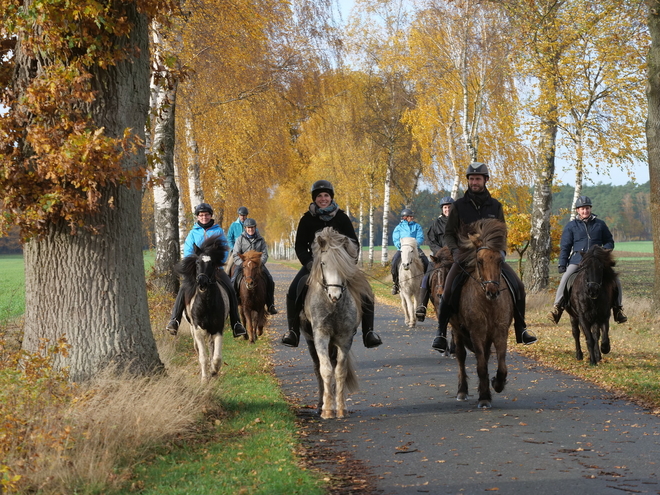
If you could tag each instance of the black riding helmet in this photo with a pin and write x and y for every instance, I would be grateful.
(583, 201)
(203, 207)
(250, 222)
(477, 168)
(407, 212)
(447, 200)
(242, 210)
(322, 186)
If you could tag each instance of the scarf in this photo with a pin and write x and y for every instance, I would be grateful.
(478, 198)
(326, 214)
(206, 225)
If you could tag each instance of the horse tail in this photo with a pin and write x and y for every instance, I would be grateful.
(351, 375)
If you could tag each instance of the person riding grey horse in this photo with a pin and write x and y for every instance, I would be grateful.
(323, 212)
(251, 240)
(407, 227)
(578, 236)
(476, 204)
(436, 238)
(204, 228)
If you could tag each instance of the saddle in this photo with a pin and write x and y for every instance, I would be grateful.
(568, 289)
(301, 292)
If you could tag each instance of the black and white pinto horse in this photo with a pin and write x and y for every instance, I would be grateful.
(332, 313)
(207, 302)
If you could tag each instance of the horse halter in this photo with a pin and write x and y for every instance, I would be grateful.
(326, 285)
(203, 280)
(594, 286)
(484, 283)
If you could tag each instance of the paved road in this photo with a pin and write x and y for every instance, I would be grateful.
(547, 433)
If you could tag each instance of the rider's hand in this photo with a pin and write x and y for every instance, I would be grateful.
(561, 268)
(309, 265)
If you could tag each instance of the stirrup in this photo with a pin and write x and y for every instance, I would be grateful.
(395, 290)
(527, 338)
(239, 330)
(172, 326)
(440, 343)
(420, 313)
(290, 339)
(371, 339)
(619, 315)
(271, 310)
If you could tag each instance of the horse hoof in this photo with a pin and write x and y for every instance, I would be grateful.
(462, 396)
(484, 404)
(328, 414)
(605, 348)
(579, 356)
(342, 414)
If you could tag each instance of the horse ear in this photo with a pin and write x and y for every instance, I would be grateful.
(434, 259)
(321, 241)
(241, 256)
(196, 249)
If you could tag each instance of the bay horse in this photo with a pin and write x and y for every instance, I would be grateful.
(331, 316)
(207, 303)
(411, 271)
(442, 262)
(485, 308)
(252, 295)
(590, 302)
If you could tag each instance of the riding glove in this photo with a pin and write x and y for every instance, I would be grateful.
(561, 269)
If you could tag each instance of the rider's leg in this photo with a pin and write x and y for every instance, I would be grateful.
(234, 319)
(270, 291)
(558, 307)
(517, 288)
(444, 312)
(292, 335)
(423, 298)
(619, 315)
(369, 337)
(394, 269)
(177, 313)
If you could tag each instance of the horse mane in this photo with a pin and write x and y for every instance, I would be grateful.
(214, 247)
(252, 255)
(598, 253)
(443, 258)
(342, 253)
(488, 233)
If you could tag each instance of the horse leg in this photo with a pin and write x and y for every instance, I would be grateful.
(317, 371)
(200, 347)
(592, 346)
(482, 354)
(341, 372)
(595, 332)
(251, 332)
(461, 354)
(326, 371)
(605, 344)
(499, 380)
(216, 359)
(575, 328)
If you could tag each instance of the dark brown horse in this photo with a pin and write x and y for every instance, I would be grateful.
(252, 294)
(485, 309)
(590, 302)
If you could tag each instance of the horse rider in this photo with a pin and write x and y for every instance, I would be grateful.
(251, 240)
(407, 228)
(204, 228)
(436, 238)
(476, 204)
(579, 235)
(237, 226)
(323, 212)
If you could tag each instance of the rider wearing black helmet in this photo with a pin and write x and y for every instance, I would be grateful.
(476, 204)
(407, 227)
(251, 240)
(436, 239)
(579, 235)
(323, 212)
(236, 228)
(204, 228)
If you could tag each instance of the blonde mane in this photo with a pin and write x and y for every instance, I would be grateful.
(487, 234)
(340, 253)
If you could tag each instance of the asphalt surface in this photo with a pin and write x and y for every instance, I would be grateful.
(547, 432)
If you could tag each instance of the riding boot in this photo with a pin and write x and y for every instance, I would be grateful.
(292, 336)
(420, 312)
(270, 296)
(619, 315)
(557, 310)
(523, 336)
(370, 339)
(234, 319)
(444, 314)
(394, 270)
(177, 313)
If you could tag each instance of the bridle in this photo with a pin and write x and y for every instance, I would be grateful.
(326, 285)
(482, 282)
(595, 284)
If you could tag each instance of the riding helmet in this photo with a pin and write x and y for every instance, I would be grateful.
(447, 200)
(250, 222)
(203, 207)
(242, 210)
(583, 201)
(322, 186)
(477, 168)
(407, 212)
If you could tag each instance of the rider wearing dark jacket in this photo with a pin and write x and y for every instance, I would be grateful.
(579, 235)
(323, 212)
(477, 204)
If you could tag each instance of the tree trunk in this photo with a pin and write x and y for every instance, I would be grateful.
(166, 193)
(653, 140)
(91, 288)
(540, 246)
(386, 211)
(196, 194)
(372, 227)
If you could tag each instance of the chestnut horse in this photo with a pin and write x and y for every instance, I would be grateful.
(485, 307)
(252, 295)
(590, 302)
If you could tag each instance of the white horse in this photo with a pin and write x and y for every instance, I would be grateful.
(333, 311)
(411, 271)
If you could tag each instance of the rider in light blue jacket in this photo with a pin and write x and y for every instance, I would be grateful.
(406, 228)
(237, 227)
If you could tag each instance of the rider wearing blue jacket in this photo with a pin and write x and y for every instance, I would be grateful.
(579, 235)
(407, 228)
(237, 227)
(204, 228)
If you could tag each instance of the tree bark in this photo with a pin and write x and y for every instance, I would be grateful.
(91, 288)
(653, 139)
(386, 211)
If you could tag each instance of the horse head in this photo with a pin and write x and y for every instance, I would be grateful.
(208, 258)
(333, 255)
(251, 268)
(408, 251)
(485, 244)
(594, 263)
